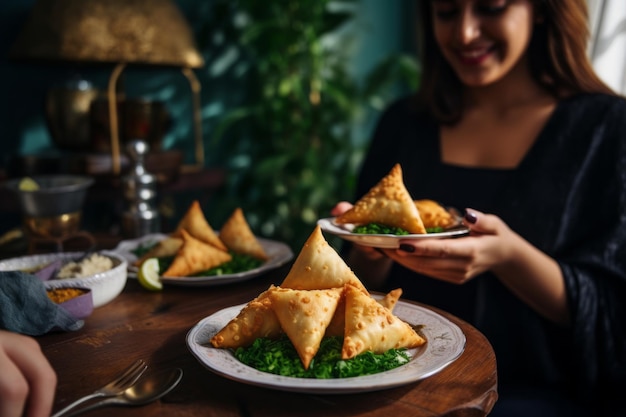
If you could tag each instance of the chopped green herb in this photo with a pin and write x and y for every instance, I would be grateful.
(141, 250)
(239, 263)
(379, 229)
(280, 357)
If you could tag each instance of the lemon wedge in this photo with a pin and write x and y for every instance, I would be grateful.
(28, 184)
(148, 275)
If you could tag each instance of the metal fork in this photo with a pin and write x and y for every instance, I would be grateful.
(118, 385)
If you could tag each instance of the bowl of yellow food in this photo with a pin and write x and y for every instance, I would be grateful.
(78, 302)
(104, 273)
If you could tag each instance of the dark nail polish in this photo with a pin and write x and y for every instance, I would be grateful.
(470, 217)
(407, 248)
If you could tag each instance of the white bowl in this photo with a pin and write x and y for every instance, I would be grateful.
(105, 286)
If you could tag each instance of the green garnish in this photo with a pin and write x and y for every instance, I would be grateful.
(141, 250)
(280, 357)
(379, 229)
(239, 263)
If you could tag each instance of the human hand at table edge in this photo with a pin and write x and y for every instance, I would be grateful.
(27, 381)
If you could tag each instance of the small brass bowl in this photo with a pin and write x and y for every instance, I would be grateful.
(53, 226)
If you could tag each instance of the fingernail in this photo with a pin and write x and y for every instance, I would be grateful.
(407, 248)
(470, 217)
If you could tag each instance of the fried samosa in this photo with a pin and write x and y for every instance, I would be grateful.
(390, 299)
(388, 203)
(319, 266)
(337, 325)
(238, 237)
(165, 248)
(304, 316)
(197, 226)
(195, 256)
(257, 319)
(372, 327)
(434, 214)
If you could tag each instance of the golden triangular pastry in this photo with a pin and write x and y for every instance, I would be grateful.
(165, 248)
(257, 319)
(372, 327)
(304, 316)
(388, 203)
(238, 237)
(338, 322)
(319, 266)
(337, 325)
(390, 299)
(434, 214)
(197, 226)
(195, 256)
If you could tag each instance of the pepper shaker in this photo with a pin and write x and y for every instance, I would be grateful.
(140, 191)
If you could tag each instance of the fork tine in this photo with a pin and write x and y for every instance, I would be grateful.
(119, 384)
(131, 375)
(130, 378)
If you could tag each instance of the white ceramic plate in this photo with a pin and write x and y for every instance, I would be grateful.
(383, 241)
(279, 254)
(445, 343)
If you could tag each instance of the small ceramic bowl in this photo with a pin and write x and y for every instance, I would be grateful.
(105, 286)
(78, 306)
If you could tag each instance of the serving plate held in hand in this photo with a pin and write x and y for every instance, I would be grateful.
(444, 344)
(384, 241)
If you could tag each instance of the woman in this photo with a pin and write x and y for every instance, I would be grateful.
(512, 121)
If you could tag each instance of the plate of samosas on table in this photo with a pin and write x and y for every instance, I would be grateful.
(321, 331)
(387, 214)
(197, 255)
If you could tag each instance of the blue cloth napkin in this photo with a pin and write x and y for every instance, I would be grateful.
(26, 308)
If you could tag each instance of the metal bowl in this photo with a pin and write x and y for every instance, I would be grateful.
(57, 195)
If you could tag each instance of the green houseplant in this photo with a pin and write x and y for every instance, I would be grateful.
(289, 144)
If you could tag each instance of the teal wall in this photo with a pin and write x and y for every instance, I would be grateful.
(381, 27)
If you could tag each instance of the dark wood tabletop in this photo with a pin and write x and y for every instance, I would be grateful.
(140, 324)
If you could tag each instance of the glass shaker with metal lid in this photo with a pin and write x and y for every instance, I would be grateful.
(140, 190)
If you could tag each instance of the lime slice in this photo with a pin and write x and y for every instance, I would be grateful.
(28, 184)
(148, 275)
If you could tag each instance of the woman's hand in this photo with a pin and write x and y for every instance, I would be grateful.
(459, 260)
(492, 246)
(27, 381)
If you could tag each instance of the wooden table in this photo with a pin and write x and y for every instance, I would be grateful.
(139, 324)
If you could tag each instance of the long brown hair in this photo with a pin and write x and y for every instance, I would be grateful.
(557, 57)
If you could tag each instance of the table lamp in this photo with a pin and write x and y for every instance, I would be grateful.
(119, 32)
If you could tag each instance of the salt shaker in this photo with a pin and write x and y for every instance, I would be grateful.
(140, 191)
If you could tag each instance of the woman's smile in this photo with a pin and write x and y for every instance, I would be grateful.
(476, 55)
(483, 40)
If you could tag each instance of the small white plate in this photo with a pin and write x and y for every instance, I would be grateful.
(384, 241)
(445, 343)
(278, 253)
